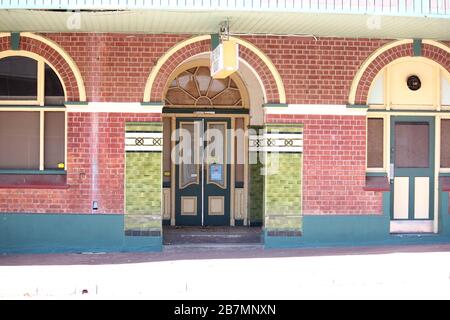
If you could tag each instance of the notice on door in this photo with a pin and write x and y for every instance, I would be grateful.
(216, 172)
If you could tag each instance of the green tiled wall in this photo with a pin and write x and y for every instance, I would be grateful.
(283, 198)
(256, 193)
(143, 185)
(256, 184)
(283, 186)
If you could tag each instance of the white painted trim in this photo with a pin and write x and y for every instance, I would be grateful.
(41, 82)
(258, 78)
(144, 148)
(41, 140)
(278, 149)
(115, 107)
(278, 143)
(316, 109)
(145, 135)
(437, 166)
(298, 137)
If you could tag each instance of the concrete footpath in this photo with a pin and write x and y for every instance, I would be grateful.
(232, 272)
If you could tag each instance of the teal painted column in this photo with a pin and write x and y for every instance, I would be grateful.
(444, 217)
(15, 41)
(283, 148)
(143, 186)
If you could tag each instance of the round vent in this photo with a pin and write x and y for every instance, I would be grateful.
(414, 83)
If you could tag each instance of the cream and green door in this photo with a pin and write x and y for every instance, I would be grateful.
(202, 172)
(412, 171)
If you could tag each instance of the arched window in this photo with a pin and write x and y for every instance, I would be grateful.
(18, 79)
(196, 87)
(408, 85)
(32, 116)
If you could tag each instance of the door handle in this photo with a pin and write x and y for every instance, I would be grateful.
(391, 172)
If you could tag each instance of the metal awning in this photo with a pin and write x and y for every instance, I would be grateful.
(338, 18)
(380, 7)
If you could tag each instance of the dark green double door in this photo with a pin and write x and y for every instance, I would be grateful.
(202, 168)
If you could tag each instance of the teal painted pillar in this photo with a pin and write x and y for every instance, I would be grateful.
(15, 41)
(143, 182)
(417, 47)
(283, 157)
(444, 217)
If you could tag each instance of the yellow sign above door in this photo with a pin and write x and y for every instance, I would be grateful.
(225, 59)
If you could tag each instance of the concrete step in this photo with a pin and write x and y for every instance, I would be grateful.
(212, 235)
(211, 247)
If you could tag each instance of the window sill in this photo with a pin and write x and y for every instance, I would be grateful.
(377, 183)
(33, 172)
(33, 186)
(28, 180)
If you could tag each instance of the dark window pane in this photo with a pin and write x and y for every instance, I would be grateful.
(54, 142)
(54, 92)
(18, 78)
(445, 143)
(412, 145)
(375, 129)
(19, 140)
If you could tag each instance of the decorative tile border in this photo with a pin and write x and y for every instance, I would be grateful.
(277, 142)
(284, 233)
(142, 233)
(143, 142)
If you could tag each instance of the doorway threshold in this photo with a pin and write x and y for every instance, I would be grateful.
(412, 227)
(212, 236)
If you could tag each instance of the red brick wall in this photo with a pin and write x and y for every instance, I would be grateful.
(115, 67)
(88, 134)
(334, 164)
(317, 71)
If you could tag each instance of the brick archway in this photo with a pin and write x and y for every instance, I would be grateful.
(257, 60)
(432, 50)
(57, 57)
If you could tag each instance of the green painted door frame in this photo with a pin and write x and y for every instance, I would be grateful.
(412, 173)
(203, 190)
(193, 190)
